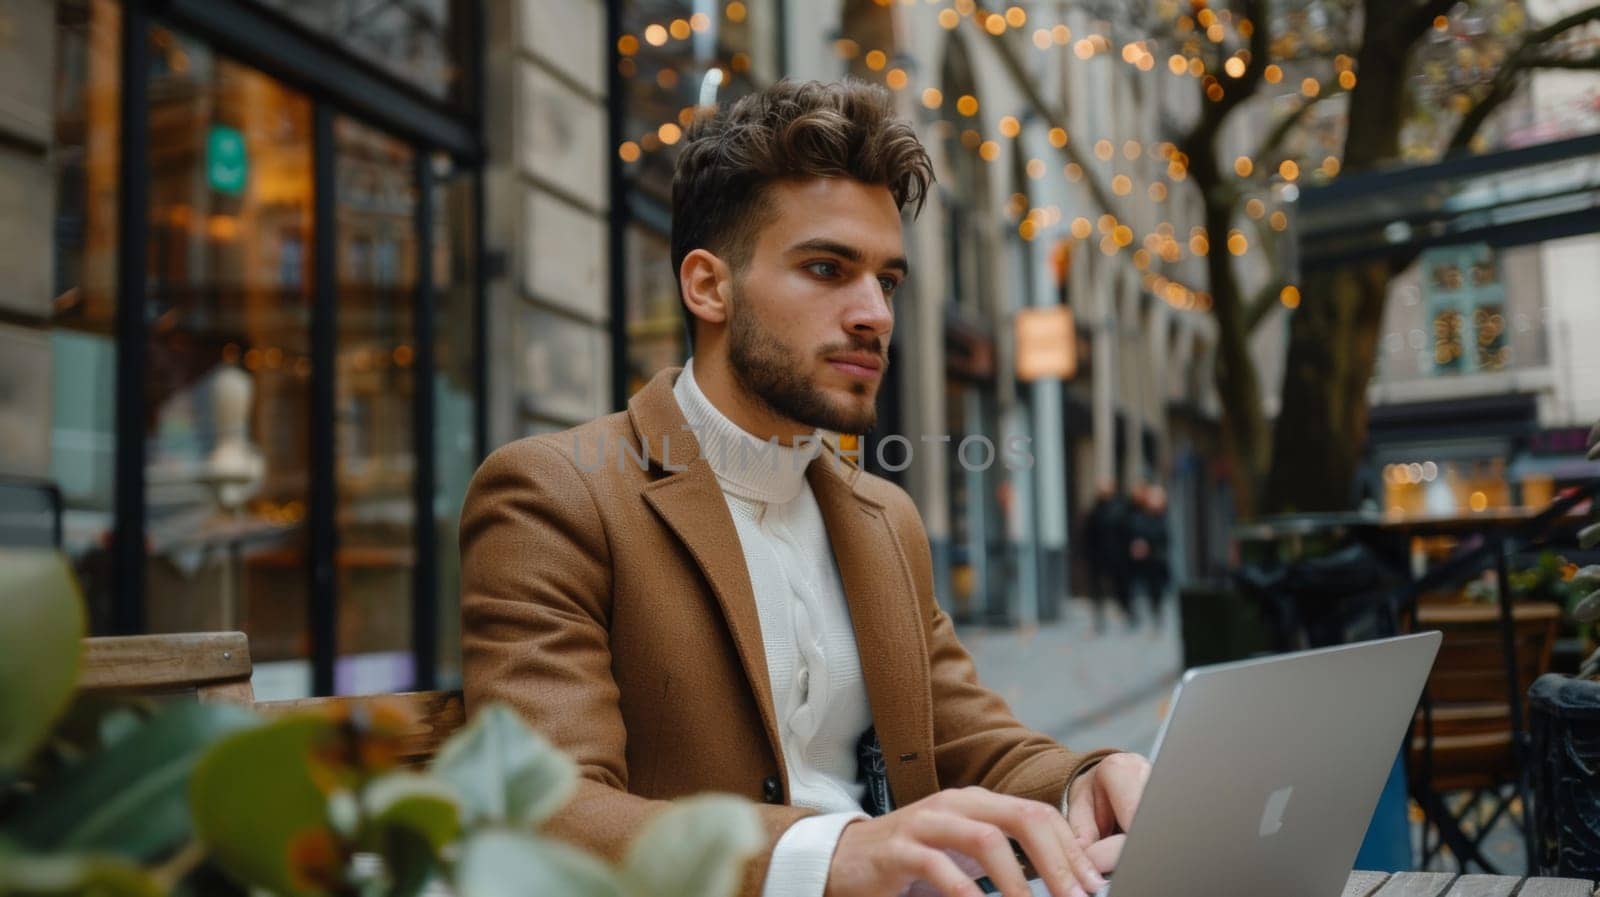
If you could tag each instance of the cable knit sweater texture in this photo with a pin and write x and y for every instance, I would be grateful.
(812, 659)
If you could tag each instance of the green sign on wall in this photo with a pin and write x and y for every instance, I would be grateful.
(227, 163)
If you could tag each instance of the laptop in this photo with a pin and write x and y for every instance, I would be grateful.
(1266, 772)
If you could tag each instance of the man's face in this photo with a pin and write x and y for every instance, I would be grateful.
(808, 333)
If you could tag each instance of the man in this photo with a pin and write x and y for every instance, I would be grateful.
(696, 595)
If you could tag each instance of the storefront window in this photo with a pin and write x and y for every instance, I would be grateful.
(678, 58)
(227, 389)
(374, 423)
(416, 40)
(655, 314)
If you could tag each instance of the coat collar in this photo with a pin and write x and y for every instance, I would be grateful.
(872, 566)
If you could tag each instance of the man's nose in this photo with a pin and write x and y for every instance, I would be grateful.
(870, 313)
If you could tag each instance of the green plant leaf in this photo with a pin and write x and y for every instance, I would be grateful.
(500, 863)
(504, 771)
(41, 633)
(409, 861)
(130, 798)
(423, 804)
(695, 848)
(77, 875)
(1589, 536)
(1588, 610)
(254, 799)
(1586, 579)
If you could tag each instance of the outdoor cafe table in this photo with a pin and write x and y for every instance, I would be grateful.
(1448, 884)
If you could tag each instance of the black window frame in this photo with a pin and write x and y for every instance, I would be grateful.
(337, 83)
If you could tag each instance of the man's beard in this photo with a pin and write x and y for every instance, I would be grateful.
(776, 376)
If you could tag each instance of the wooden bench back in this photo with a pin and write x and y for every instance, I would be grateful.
(1471, 667)
(434, 715)
(213, 666)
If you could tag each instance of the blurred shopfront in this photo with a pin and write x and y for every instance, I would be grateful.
(250, 331)
(1484, 390)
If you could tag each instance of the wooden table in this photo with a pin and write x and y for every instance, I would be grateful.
(1448, 884)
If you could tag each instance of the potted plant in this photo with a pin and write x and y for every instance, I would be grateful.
(1565, 739)
(134, 799)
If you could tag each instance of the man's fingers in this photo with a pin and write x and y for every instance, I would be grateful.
(979, 840)
(1081, 815)
(1051, 845)
(1106, 853)
(1124, 785)
(937, 869)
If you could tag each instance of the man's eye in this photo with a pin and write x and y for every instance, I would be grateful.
(890, 284)
(823, 269)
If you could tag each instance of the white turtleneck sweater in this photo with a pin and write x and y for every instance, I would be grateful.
(813, 664)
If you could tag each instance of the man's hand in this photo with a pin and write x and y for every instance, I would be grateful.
(1101, 803)
(879, 857)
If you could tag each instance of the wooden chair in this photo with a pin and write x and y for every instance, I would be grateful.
(1471, 749)
(212, 666)
(435, 716)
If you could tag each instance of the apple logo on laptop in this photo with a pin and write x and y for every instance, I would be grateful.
(1272, 815)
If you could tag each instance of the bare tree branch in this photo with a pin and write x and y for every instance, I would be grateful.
(1557, 62)
(1408, 28)
(1528, 56)
(1286, 124)
(1056, 118)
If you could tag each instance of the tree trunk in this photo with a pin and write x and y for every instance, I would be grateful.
(1247, 438)
(1321, 431)
(1322, 427)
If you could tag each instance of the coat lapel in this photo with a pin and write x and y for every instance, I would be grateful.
(689, 500)
(889, 632)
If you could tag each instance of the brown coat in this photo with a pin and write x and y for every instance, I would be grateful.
(612, 607)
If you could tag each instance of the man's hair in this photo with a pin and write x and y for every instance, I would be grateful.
(793, 130)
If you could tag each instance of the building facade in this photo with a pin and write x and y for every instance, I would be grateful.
(278, 274)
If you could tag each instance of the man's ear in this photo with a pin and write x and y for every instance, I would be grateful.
(707, 285)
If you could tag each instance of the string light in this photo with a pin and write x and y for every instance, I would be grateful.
(967, 105)
(932, 98)
(1036, 168)
(1289, 169)
(1242, 166)
(1058, 137)
(1290, 297)
(1009, 126)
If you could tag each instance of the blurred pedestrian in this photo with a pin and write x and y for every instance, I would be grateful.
(1106, 535)
(1149, 545)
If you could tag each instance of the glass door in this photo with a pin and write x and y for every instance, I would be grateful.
(375, 388)
(227, 386)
